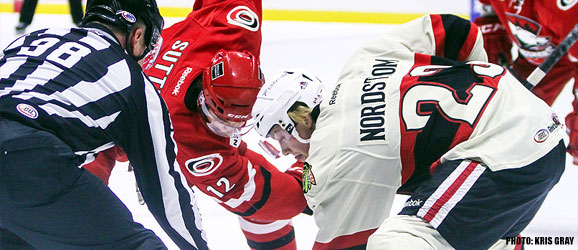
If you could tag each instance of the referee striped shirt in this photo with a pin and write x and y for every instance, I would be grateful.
(80, 85)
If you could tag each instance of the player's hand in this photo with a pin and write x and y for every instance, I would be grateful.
(572, 125)
(496, 41)
(296, 170)
(120, 155)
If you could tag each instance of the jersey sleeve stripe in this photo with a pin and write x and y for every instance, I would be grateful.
(95, 41)
(450, 192)
(248, 189)
(102, 122)
(17, 43)
(457, 31)
(255, 228)
(274, 244)
(170, 179)
(46, 70)
(351, 241)
(86, 92)
(264, 197)
(439, 34)
(83, 92)
(469, 44)
(11, 66)
(56, 31)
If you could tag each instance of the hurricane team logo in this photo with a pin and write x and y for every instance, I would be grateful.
(566, 4)
(27, 110)
(243, 17)
(204, 165)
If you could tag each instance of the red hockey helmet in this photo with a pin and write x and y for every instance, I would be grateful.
(231, 85)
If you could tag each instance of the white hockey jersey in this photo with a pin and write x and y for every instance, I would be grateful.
(402, 105)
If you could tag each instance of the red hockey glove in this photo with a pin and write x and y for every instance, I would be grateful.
(120, 155)
(296, 170)
(572, 125)
(496, 41)
(103, 164)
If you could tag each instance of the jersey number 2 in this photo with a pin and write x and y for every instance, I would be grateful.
(221, 182)
(445, 99)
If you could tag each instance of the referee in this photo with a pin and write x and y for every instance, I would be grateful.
(66, 95)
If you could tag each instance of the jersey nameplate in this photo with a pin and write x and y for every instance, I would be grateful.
(372, 114)
(169, 59)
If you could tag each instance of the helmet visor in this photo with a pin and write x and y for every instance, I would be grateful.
(219, 126)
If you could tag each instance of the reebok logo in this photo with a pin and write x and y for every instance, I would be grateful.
(412, 203)
(181, 80)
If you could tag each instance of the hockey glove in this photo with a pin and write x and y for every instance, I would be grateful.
(496, 41)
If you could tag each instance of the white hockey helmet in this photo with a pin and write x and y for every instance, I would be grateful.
(276, 97)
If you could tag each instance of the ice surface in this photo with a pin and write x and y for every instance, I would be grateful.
(322, 48)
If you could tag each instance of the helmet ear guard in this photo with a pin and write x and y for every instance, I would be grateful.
(277, 97)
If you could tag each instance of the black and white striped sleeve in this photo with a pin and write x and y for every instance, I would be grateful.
(152, 152)
(81, 87)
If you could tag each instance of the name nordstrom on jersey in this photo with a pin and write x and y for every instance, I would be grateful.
(372, 117)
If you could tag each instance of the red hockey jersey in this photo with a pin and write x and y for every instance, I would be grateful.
(239, 179)
(537, 27)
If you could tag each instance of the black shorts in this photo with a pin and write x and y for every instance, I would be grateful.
(48, 202)
(472, 207)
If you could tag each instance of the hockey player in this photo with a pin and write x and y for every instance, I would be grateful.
(67, 94)
(208, 120)
(477, 151)
(536, 28)
(210, 93)
(28, 8)
(209, 76)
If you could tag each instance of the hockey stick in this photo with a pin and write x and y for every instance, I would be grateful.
(552, 59)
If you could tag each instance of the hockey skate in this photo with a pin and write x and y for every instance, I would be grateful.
(21, 28)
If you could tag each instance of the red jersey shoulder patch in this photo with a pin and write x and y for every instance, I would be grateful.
(243, 17)
(566, 4)
(204, 165)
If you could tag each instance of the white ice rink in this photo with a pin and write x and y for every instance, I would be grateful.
(322, 48)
